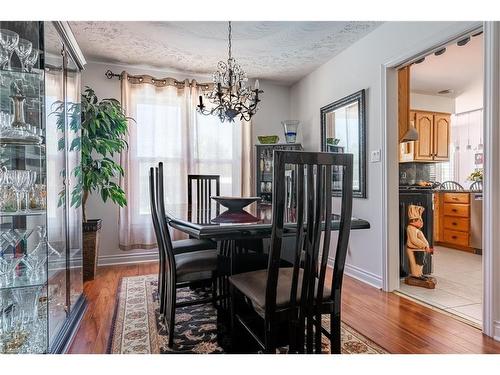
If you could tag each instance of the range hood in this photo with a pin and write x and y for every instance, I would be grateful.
(410, 135)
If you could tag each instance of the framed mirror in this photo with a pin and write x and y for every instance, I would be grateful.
(343, 129)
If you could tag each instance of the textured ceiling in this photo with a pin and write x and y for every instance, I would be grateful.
(278, 51)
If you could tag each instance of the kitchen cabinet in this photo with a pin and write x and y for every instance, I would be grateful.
(433, 138)
(452, 220)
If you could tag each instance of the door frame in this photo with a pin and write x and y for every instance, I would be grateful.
(491, 192)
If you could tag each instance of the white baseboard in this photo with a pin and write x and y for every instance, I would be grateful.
(361, 275)
(124, 258)
(496, 330)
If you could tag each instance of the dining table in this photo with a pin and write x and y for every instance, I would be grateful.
(240, 235)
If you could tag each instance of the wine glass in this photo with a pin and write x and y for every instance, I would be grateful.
(4, 56)
(23, 50)
(29, 182)
(31, 59)
(17, 179)
(8, 40)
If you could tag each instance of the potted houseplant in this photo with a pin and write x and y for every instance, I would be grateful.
(104, 126)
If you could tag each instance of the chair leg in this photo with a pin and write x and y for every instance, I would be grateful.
(161, 288)
(309, 336)
(214, 290)
(269, 338)
(171, 327)
(232, 304)
(335, 344)
(317, 334)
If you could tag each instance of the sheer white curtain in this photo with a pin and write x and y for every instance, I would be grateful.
(169, 129)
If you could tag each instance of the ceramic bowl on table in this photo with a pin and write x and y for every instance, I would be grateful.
(235, 204)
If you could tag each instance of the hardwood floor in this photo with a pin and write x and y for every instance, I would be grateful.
(396, 323)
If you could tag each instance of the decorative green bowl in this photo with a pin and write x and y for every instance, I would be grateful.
(333, 141)
(268, 139)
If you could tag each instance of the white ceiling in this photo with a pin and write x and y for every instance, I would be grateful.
(458, 69)
(278, 51)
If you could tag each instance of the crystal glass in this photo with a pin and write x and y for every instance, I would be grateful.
(4, 56)
(5, 318)
(290, 127)
(30, 181)
(8, 264)
(17, 179)
(8, 41)
(31, 59)
(37, 259)
(23, 50)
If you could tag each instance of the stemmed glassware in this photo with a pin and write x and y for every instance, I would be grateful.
(4, 56)
(8, 264)
(31, 59)
(23, 50)
(37, 259)
(8, 41)
(17, 179)
(30, 181)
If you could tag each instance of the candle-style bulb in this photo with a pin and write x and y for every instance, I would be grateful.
(256, 87)
(201, 101)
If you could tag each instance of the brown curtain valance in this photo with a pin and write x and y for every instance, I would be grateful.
(161, 82)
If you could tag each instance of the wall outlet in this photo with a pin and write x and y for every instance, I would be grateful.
(375, 156)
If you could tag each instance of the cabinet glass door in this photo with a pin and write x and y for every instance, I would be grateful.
(73, 116)
(23, 249)
(55, 113)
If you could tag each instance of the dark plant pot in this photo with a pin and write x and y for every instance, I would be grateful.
(91, 230)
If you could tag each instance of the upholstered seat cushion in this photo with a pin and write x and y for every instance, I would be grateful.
(192, 244)
(196, 262)
(253, 285)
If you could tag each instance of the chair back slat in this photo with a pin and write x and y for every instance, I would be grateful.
(327, 233)
(204, 185)
(299, 236)
(312, 210)
(153, 196)
(169, 251)
(343, 235)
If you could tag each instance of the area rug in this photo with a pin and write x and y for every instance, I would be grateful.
(137, 328)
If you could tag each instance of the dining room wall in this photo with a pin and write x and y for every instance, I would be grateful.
(274, 108)
(359, 67)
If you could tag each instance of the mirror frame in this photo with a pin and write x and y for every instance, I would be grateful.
(358, 97)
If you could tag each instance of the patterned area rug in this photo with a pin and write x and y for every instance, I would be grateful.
(138, 330)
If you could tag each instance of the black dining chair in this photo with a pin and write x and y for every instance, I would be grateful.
(204, 185)
(180, 264)
(287, 303)
(450, 185)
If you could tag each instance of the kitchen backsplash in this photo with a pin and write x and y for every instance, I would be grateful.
(412, 173)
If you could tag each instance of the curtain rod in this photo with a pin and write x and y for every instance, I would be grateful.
(156, 81)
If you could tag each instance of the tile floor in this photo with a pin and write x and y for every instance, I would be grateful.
(459, 288)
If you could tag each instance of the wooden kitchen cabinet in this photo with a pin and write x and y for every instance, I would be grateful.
(424, 123)
(433, 137)
(441, 141)
(452, 220)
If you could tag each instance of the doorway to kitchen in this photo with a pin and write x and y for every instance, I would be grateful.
(440, 116)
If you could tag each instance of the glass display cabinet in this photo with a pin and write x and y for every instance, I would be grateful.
(41, 285)
(264, 167)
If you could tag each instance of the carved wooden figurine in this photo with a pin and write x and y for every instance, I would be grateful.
(418, 249)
